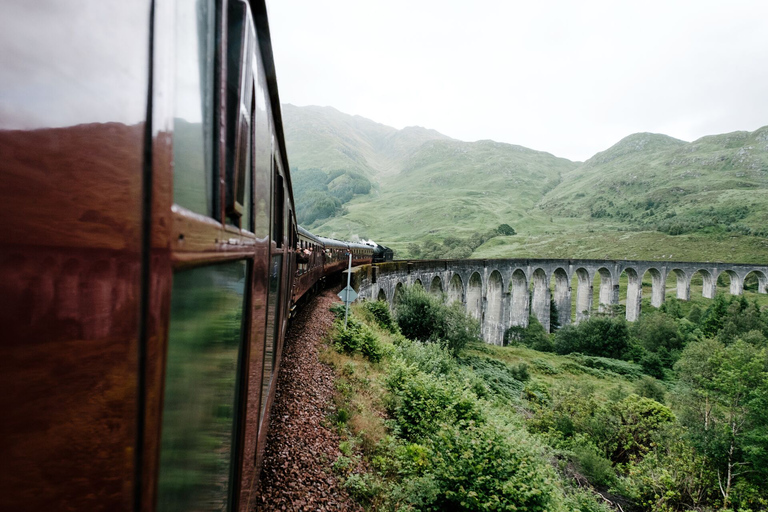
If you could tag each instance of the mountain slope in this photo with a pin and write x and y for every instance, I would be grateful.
(449, 187)
(660, 183)
(649, 196)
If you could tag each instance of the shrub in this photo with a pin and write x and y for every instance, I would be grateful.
(380, 312)
(593, 464)
(430, 357)
(598, 336)
(657, 330)
(649, 387)
(358, 337)
(423, 317)
(612, 365)
(423, 402)
(502, 379)
(480, 467)
(533, 336)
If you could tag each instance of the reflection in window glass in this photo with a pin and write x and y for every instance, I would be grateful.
(273, 301)
(204, 341)
(247, 222)
(193, 123)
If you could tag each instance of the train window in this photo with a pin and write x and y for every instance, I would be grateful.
(278, 211)
(240, 99)
(193, 174)
(202, 378)
(272, 329)
(262, 156)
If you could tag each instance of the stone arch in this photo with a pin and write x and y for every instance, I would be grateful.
(584, 292)
(762, 281)
(398, 292)
(562, 295)
(417, 282)
(708, 283)
(540, 302)
(455, 290)
(494, 326)
(634, 294)
(518, 287)
(735, 285)
(608, 295)
(683, 288)
(475, 296)
(658, 291)
(436, 286)
(382, 295)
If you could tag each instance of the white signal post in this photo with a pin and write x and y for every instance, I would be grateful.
(348, 294)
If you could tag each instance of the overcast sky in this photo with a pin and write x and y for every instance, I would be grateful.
(568, 77)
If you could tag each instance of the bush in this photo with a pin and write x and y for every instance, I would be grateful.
(481, 468)
(593, 464)
(503, 380)
(649, 387)
(358, 337)
(534, 336)
(612, 365)
(423, 402)
(599, 336)
(380, 312)
(423, 317)
(429, 358)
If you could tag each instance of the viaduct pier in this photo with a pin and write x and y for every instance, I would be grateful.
(505, 292)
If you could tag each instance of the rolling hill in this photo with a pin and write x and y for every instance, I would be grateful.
(649, 196)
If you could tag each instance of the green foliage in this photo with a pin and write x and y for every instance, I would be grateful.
(358, 337)
(672, 476)
(593, 464)
(649, 387)
(506, 230)
(424, 402)
(363, 487)
(598, 336)
(534, 336)
(424, 317)
(320, 196)
(504, 380)
(632, 425)
(382, 315)
(452, 247)
(480, 467)
(724, 399)
(612, 365)
(657, 330)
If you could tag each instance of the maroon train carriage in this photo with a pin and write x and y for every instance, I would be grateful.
(147, 257)
(310, 257)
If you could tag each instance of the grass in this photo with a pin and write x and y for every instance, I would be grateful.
(617, 205)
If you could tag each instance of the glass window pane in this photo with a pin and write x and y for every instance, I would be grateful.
(273, 302)
(193, 118)
(247, 222)
(204, 342)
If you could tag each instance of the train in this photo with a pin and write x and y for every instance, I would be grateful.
(150, 256)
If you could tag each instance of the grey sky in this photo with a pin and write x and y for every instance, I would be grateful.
(568, 77)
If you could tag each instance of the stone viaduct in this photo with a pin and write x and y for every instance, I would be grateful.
(503, 293)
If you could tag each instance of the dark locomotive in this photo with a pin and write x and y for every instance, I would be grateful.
(150, 255)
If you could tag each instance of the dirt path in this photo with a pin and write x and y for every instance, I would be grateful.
(301, 444)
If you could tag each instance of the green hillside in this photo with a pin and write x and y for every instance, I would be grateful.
(659, 183)
(650, 196)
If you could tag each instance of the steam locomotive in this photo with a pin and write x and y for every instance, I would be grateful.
(149, 256)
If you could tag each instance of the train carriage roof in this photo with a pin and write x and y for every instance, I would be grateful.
(306, 234)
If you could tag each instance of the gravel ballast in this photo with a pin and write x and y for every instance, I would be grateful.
(302, 443)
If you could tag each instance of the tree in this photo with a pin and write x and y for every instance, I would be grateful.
(723, 396)
(506, 230)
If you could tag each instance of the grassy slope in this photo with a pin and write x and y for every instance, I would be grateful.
(450, 187)
(429, 186)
